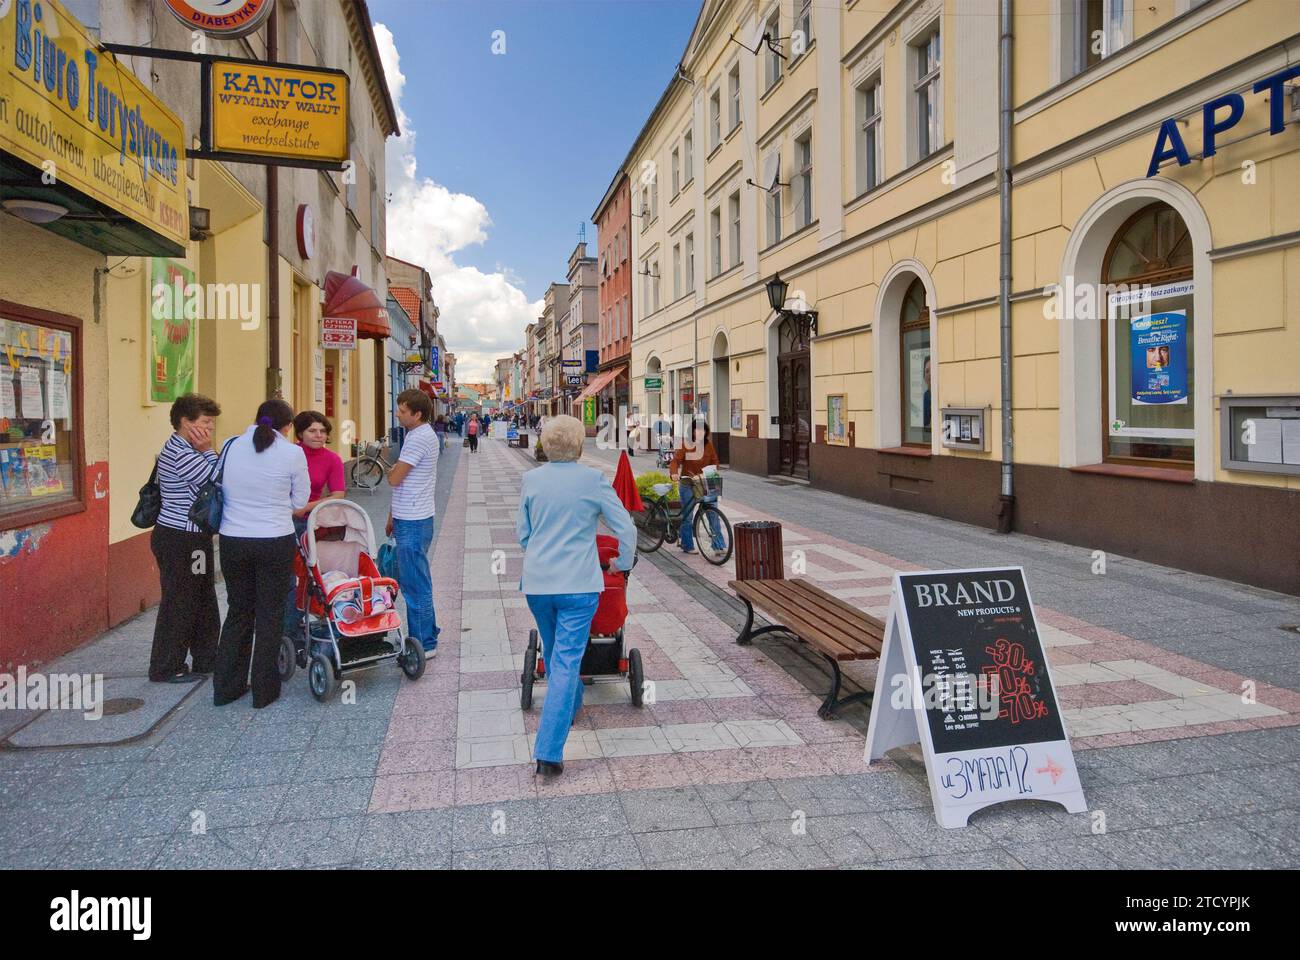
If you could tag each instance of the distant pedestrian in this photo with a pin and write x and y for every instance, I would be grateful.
(410, 520)
(189, 621)
(264, 480)
(471, 431)
(440, 428)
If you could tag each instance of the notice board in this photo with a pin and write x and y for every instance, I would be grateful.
(963, 672)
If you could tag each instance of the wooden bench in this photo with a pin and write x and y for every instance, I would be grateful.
(835, 629)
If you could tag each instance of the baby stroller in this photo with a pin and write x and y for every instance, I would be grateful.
(605, 658)
(349, 612)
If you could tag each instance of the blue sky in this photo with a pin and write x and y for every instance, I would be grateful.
(513, 151)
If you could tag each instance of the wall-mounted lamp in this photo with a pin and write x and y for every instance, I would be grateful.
(34, 211)
(776, 294)
(200, 223)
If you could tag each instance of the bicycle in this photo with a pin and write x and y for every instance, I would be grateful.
(371, 467)
(657, 524)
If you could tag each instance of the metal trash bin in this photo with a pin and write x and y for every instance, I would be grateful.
(759, 552)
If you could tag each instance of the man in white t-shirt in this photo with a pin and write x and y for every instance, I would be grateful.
(410, 519)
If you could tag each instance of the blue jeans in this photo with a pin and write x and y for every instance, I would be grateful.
(292, 615)
(564, 622)
(688, 521)
(413, 538)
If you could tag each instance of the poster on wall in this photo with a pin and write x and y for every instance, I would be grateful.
(56, 384)
(343, 379)
(1158, 342)
(171, 332)
(737, 415)
(837, 430)
(32, 403)
(918, 372)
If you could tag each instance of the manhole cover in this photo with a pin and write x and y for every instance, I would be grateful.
(120, 705)
(783, 483)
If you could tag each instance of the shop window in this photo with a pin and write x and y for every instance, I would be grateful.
(1147, 341)
(39, 422)
(914, 340)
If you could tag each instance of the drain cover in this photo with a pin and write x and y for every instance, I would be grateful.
(783, 483)
(120, 705)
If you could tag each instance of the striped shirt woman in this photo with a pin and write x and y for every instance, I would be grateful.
(188, 618)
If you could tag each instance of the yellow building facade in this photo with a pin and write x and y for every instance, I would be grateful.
(854, 153)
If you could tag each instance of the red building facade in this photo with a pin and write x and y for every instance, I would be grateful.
(613, 225)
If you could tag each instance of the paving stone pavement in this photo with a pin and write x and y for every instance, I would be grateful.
(729, 767)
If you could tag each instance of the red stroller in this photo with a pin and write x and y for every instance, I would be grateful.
(605, 658)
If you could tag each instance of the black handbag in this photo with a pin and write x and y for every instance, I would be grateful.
(149, 505)
(205, 511)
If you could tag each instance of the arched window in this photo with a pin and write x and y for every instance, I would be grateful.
(1147, 407)
(914, 372)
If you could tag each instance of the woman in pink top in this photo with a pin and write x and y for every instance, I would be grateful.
(325, 469)
(324, 466)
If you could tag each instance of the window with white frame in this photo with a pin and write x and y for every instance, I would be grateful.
(772, 59)
(688, 155)
(803, 182)
(645, 206)
(733, 95)
(677, 270)
(871, 136)
(654, 282)
(801, 36)
(1099, 31)
(715, 242)
(927, 90)
(677, 172)
(772, 197)
(654, 197)
(689, 254)
(733, 214)
(715, 118)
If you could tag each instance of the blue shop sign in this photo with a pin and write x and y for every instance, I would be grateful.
(1169, 142)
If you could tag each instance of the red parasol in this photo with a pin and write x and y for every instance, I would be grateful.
(625, 485)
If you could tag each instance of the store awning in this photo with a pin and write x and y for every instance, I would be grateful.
(600, 383)
(347, 297)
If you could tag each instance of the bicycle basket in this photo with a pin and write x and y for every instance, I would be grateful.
(373, 448)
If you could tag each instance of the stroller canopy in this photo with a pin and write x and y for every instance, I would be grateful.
(333, 514)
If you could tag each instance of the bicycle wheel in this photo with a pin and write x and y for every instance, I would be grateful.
(367, 472)
(651, 527)
(713, 547)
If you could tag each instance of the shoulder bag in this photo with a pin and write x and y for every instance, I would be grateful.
(205, 511)
(149, 505)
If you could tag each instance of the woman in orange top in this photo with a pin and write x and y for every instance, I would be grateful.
(689, 461)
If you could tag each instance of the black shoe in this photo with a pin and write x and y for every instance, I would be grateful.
(548, 768)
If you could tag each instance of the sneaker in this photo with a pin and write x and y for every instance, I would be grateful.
(431, 652)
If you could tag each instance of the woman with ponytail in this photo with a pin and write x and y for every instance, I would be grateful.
(265, 480)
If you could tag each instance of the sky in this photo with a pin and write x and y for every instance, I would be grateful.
(514, 117)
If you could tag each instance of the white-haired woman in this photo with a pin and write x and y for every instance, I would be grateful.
(559, 507)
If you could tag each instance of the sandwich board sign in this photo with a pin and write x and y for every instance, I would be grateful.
(963, 673)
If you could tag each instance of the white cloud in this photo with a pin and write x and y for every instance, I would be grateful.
(483, 315)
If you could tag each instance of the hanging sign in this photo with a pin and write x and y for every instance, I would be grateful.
(279, 111)
(338, 333)
(69, 109)
(224, 19)
(963, 672)
(1158, 342)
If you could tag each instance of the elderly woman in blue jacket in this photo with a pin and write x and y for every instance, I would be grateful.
(559, 506)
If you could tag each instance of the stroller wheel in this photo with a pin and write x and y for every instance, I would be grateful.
(286, 659)
(411, 659)
(530, 672)
(635, 677)
(320, 677)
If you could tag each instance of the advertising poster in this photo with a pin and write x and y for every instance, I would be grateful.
(837, 430)
(1158, 343)
(43, 470)
(918, 372)
(171, 333)
(737, 415)
(13, 472)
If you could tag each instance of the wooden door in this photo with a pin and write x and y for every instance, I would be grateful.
(794, 392)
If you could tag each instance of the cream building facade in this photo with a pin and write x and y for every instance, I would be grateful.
(861, 165)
